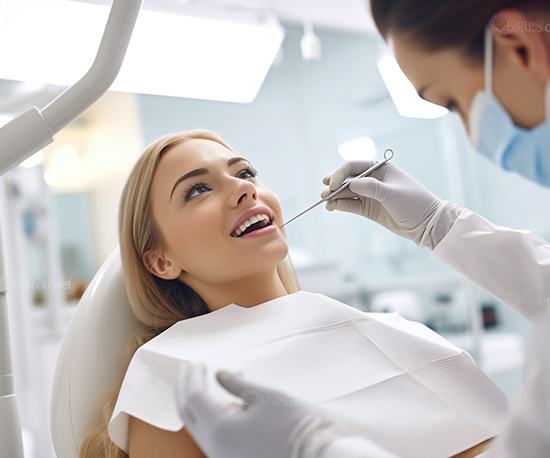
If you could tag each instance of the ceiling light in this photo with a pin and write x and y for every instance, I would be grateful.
(403, 93)
(310, 43)
(360, 148)
(66, 170)
(55, 42)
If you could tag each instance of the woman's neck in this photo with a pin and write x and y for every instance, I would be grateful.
(246, 292)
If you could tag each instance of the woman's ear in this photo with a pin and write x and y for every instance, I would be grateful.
(161, 266)
(525, 41)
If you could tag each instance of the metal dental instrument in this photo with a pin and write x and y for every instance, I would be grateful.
(388, 155)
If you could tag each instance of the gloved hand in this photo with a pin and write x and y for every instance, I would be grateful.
(394, 199)
(269, 424)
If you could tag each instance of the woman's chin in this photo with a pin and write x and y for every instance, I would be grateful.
(264, 256)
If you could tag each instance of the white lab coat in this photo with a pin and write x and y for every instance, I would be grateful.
(514, 265)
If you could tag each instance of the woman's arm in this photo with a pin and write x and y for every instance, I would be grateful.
(475, 450)
(146, 441)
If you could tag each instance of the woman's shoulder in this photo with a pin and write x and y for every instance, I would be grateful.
(146, 440)
(144, 395)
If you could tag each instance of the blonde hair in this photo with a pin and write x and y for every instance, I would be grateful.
(156, 303)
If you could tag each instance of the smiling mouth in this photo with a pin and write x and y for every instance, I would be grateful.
(253, 227)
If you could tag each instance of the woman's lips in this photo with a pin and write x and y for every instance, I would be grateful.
(259, 232)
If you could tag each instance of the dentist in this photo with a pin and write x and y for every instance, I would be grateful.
(488, 61)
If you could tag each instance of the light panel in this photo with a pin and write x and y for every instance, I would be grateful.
(55, 42)
(360, 148)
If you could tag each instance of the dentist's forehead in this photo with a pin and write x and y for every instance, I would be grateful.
(412, 62)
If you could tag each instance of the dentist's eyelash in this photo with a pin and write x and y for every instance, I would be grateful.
(190, 189)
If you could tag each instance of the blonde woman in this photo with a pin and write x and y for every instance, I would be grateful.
(199, 233)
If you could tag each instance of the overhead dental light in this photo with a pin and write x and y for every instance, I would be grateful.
(404, 96)
(225, 58)
(310, 43)
(4, 119)
(360, 148)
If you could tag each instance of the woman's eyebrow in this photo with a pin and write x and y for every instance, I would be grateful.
(203, 171)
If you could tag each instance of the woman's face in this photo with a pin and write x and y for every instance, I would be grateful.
(197, 215)
(447, 78)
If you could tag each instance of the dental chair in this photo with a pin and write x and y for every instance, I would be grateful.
(90, 361)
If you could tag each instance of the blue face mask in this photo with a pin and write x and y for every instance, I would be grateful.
(495, 136)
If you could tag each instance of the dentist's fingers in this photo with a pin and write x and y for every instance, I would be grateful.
(251, 393)
(346, 193)
(347, 169)
(194, 401)
(182, 394)
(371, 188)
(366, 187)
(196, 378)
(346, 205)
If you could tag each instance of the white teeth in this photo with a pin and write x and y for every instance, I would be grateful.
(249, 222)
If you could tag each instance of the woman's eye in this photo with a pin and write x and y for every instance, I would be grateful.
(196, 189)
(190, 192)
(250, 171)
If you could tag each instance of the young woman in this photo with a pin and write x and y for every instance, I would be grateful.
(199, 234)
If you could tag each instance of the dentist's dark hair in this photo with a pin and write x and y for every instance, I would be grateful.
(442, 24)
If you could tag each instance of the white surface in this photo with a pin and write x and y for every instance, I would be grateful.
(28, 443)
(376, 374)
(10, 432)
(512, 264)
(89, 363)
(526, 432)
(22, 137)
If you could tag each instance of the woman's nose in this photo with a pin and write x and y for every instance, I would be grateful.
(244, 190)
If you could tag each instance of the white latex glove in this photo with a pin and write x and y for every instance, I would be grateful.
(269, 424)
(392, 198)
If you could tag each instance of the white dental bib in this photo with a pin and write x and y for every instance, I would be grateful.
(375, 374)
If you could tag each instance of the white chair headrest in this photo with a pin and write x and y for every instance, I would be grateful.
(90, 361)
